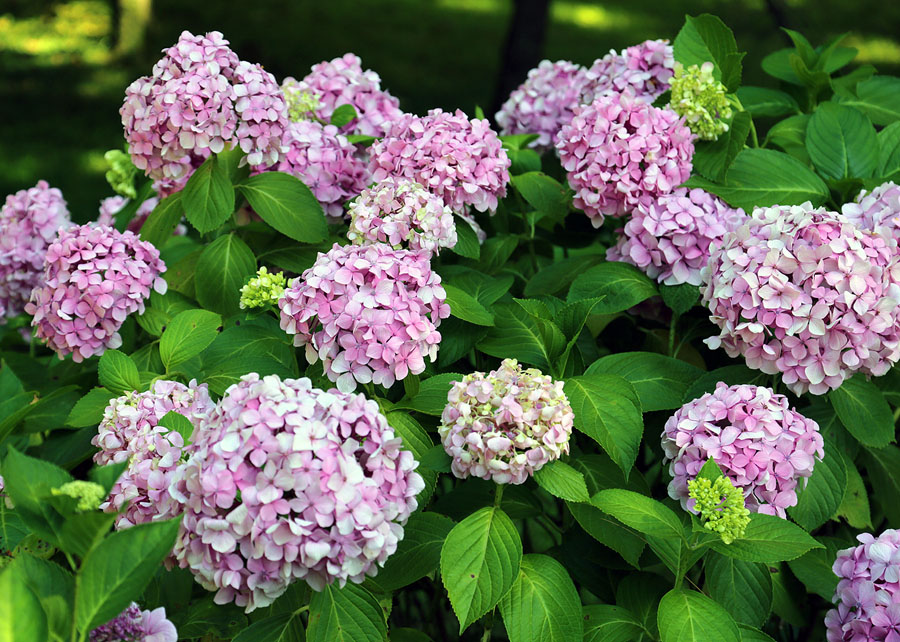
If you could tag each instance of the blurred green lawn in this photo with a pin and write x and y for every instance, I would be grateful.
(61, 87)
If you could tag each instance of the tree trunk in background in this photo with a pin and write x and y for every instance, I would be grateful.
(130, 19)
(523, 48)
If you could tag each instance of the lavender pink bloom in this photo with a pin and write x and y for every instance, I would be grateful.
(761, 444)
(29, 221)
(806, 293)
(461, 160)
(93, 277)
(619, 152)
(112, 205)
(505, 425)
(544, 102)
(644, 71)
(877, 211)
(134, 625)
(130, 432)
(369, 312)
(867, 598)
(202, 99)
(289, 482)
(671, 237)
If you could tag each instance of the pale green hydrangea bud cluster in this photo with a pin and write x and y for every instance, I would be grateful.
(89, 495)
(721, 507)
(302, 102)
(121, 172)
(701, 100)
(263, 290)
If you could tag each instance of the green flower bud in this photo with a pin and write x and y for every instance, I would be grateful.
(121, 173)
(701, 100)
(264, 289)
(88, 494)
(721, 507)
(301, 103)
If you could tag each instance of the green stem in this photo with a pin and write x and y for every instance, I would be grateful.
(498, 495)
(488, 626)
(672, 327)
(753, 136)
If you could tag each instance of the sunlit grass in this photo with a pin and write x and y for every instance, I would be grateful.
(875, 50)
(590, 16)
(77, 30)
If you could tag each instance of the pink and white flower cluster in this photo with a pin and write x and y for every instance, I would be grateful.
(93, 277)
(759, 442)
(134, 625)
(403, 214)
(877, 211)
(112, 205)
(544, 102)
(867, 597)
(370, 312)
(644, 71)
(460, 159)
(289, 482)
(505, 425)
(671, 237)
(130, 432)
(201, 99)
(619, 152)
(29, 221)
(806, 293)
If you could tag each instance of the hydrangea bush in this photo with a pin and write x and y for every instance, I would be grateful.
(619, 365)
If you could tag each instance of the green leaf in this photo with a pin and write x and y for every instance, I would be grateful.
(689, 616)
(162, 221)
(343, 115)
(348, 614)
(621, 285)
(814, 568)
(777, 64)
(824, 492)
(729, 375)
(608, 531)
(762, 101)
(710, 470)
(54, 588)
(768, 539)
(187, 335)
(855, 506)
(27, 482)
(642, 513)
(561, 480)
(89, 409)
(50, 411)
(466, 307)
(118, 373)
(790, 135)
(707, 39)
(285, 203)
(543, 193)
(432, 395)
(277, 628)
(558, 275)
(877, 99)
(208, 197)
(495, 252)
(743, 588)
(660, 381)
(419, 552)
(519, 335)
(479, 563)
(83, 531)
(889, 151)
(750, 634)
(114, 574)
(680, 298)
(764, 177)
(222, 269)
(542, 603)
(12, 529)
(204, 617)
(523, 161)
(883, 468)
(608, 623)
(174, 420)
(607, 409)
(863, 410)
(517, 141)
(713, 158)
(467, 244)
(247, 348)
(22, 618)
(841, 142)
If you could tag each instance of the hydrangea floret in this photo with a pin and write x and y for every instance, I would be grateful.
(805, 293)
(369, 312)
(619, 152)
(290, 482)
(88, 495)
(263, 290)
(877, 210)
(403, 214)
(112, 205)
(135, 625)
(671, 237)
(29, 222)
(721, 507)
(700, 99)
(302, 101)
(93, 277)
(867, 597)
(460, 159)
(506, 424)
(121, 173)
(643, 70)
(762, 445)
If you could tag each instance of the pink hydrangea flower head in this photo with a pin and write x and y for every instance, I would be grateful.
(325, 161)
(200, 99)
(401, 213)
(505, 425)
(130, 432)
(867, 597)
(290, 482)
(134, 625)
(877, 211)
(544, 102)
(112, 205)
(806, 293)
(759, 442)
(461, 160)
(644, 70)
(93, 277)
(29, 221)
(343, 81)
(619, 152)
(671, 237)
(369, 312)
